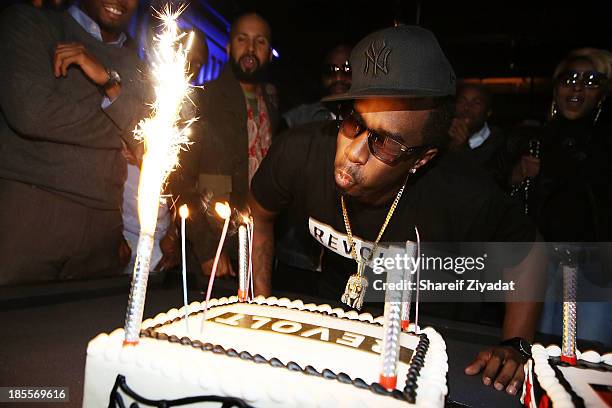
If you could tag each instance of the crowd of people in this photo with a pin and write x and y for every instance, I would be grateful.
(395, 143)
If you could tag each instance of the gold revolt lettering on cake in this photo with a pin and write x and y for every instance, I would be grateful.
(319, 333)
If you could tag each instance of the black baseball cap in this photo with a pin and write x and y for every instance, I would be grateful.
(403, 61)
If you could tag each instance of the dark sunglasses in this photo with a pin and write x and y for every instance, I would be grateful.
(589, 79)
(384, 148)
(331, 69)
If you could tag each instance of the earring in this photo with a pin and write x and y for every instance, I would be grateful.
(412, 170)
(553, 110)
(599, 105)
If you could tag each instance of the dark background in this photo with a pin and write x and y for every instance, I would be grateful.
(505, 44)
(511, 47)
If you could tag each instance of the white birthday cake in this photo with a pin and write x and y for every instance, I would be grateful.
(266, 353)
(550, 382)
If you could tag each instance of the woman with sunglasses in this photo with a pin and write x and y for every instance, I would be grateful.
(570, 193)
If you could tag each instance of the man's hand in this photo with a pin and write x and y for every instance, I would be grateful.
(459, 133)
(67, 54)
(171, 251)
(528, 166)
(224, 268)
(502, 366)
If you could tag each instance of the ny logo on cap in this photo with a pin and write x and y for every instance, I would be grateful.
(376, 58)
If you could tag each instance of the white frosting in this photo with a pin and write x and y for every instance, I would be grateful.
(591, 357)
(607, 358)
(579, 378)
(159, 369)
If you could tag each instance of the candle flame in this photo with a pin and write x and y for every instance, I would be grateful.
(246, 219)
(223, 210)
(164, 133)
(184, 211)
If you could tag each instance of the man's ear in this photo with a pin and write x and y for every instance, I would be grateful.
(429, 154)
(271, 55)
(227, 49)
(489, 113)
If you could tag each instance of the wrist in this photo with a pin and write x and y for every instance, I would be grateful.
(521, 345)
(112, 86)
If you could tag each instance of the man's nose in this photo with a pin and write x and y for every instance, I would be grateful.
(357, 151)
(251, 45)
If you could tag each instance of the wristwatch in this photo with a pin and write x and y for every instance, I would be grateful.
(519, 344)
(113, 78)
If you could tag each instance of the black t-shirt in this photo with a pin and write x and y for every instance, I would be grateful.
(450, 201)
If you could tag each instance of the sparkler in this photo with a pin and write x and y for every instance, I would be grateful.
(164, 134)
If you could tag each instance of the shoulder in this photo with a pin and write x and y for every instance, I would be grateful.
(25, 16)
(461, 181)
(319, 135)
(306, 113)
(305, 146)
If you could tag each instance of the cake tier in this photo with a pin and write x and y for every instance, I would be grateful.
(271, 352)
(588, 384)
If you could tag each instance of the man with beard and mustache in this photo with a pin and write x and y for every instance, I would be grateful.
(335, 79)
(237, 121)
(70, 96)
(381, 173)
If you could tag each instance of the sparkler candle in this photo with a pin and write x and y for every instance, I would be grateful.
(164, 134)
(568, 349)
(243, 259)
(407, 292)
(184, 213)
(251, 229)
(418, 282)
(391, 330)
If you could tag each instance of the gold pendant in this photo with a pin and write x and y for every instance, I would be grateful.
(356, 286)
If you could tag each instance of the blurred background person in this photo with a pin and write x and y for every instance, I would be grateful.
(470, 131)
(571, 194)
(237, 120)
(71, 92)
(335, 80)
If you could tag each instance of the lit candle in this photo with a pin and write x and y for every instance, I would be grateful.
(224, 211)
(184, 213)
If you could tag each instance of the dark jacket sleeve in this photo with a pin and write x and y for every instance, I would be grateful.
(130, 107)
(29, 96)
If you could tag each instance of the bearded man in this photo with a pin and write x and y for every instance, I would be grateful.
(238, 117)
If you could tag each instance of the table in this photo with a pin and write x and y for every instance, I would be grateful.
(45, 334)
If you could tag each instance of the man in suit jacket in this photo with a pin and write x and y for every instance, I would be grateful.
(237, 118)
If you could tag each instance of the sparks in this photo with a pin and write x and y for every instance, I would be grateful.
(164, 135)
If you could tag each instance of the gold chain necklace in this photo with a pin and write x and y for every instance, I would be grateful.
(357, 283)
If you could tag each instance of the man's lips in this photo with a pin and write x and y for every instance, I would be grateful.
(343, 179)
